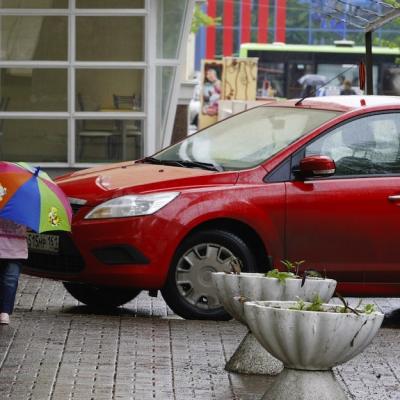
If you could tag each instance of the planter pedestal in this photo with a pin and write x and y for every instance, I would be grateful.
(293, 384)
(310, 344)
(251, 358)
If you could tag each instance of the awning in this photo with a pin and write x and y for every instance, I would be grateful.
(367, 15)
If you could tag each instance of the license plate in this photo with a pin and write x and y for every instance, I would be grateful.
(43, 243)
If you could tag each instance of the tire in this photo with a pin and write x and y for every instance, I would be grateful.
(100, 296)
(189, 291)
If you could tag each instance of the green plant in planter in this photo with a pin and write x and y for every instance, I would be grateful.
(292, 266)
(292, 272)
(292, 269)
(280, 275)
(317, 305)
(368, 308)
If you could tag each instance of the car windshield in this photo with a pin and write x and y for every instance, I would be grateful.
(245, 140)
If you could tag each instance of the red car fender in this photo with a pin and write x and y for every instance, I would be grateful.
(266, 220)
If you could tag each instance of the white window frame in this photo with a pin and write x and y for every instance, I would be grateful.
(153, 136)
(71, 115)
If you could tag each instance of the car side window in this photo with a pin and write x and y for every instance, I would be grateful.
(364, 146)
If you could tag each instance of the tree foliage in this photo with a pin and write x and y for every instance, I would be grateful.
(394, 40)
(200, 18)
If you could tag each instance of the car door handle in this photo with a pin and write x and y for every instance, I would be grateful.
(394, 198)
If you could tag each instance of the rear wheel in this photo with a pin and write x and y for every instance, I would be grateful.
(100, 296)
(189, 290)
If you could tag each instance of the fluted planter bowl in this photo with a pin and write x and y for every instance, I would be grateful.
(310, 340)
(256, 286)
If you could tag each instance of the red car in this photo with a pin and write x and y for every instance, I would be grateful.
(315, 180)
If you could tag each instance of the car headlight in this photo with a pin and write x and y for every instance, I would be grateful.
(132, 205)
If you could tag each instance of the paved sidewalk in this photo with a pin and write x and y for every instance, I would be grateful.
(56, 349)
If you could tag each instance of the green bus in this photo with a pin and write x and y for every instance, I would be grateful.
(281, 67)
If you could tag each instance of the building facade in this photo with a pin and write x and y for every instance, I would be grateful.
(89, 81)
(268, 21)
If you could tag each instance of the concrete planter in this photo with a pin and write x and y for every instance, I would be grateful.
(255, 286)
(250, 357)
(309, 341)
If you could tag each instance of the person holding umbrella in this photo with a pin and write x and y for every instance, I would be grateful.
(28, 199)
(311, 84)
(13, 249)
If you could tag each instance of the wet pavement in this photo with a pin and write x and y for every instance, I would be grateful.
(57, 349)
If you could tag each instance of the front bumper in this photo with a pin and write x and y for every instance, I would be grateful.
(125, 252)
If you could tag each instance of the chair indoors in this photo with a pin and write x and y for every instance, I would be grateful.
(129, 128)
(87, 134)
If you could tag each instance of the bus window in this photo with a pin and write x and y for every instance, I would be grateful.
(297, 60)
(331, 70)
(391, 80)
(296, 71)
(270, 79)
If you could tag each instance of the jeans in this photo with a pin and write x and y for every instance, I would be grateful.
(9, 275)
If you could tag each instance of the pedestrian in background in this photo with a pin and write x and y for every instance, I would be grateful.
(13, 249)
(347, 88)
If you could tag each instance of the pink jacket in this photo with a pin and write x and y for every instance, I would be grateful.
(13, 242)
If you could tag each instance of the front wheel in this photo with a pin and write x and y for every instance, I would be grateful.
(189, 290)
(100, 296)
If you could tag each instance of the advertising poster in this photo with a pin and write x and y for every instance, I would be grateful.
(211, 78)
(240, 78)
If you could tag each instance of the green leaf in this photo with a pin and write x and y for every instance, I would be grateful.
(281, 276)
(369, 308)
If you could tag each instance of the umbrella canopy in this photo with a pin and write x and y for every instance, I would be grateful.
(312, 80)
(29, 197)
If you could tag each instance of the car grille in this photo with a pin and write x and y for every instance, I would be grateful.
(69, 260)
(76, 208)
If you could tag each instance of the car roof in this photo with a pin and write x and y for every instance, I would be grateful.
(341, 103)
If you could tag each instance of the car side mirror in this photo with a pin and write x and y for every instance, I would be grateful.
(316, 166)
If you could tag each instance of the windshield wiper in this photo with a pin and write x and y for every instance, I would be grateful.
(173, 163)
(184, 163)
(204, 165)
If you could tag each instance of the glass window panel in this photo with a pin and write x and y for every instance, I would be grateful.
(390, 80)
(96, 88)
(342, 73)
(271, 79)
(128, 142)
(34, 89)
(164, 85)
(34, 140)
(365, 146)
(268, 130)
(110, 4)
(108, 140)
(33, 37)
(295, 71)
(34, 4)
(170, 24)
(110, 38)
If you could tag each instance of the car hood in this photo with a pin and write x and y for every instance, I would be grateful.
(98, 184)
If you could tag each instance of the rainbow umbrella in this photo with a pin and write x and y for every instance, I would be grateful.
(29, 197)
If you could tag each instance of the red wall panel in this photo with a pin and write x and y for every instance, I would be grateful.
(263, 15)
